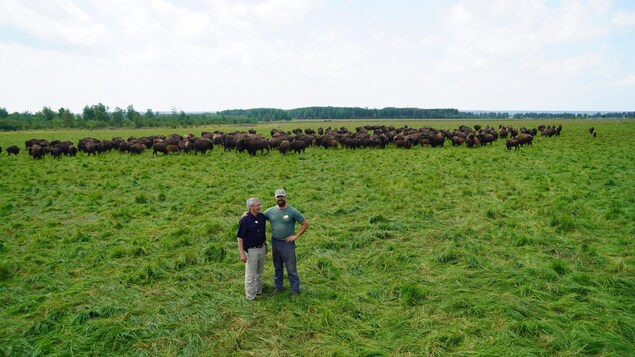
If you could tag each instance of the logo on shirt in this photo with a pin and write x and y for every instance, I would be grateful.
(285, 217)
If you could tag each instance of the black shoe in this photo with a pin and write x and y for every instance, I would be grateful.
(276, 291)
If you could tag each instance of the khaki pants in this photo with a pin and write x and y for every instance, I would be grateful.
(253, 271)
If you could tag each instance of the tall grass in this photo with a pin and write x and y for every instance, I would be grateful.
(424, 251)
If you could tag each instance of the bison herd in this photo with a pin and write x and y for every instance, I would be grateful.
(369, 136)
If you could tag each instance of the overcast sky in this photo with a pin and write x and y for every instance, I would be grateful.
(208, 55)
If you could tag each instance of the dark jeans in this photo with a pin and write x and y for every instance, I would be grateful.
(284, 253)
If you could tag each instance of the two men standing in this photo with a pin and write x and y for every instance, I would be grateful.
(282, 218)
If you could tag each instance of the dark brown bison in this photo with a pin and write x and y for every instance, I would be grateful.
(13, 149)
(175, 148)
(202, 145)
(37, 151)
(548, 132)
(349, 142)
(284, 146)
(161, 146)
(525, 139)
(512, 143)
(136, 148)
(57, 151)
(403, 143)
(472, 140)
(90, 148)
(486, 138)
(328, 141)
(436, 140)
(457, 141)
(298, 146)
(252, 144)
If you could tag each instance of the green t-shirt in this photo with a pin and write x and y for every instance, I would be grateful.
(282, 221)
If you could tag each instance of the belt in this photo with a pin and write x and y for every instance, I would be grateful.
(258, 246)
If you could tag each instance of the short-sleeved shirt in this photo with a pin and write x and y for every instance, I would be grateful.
(283, 221)
(251, 229)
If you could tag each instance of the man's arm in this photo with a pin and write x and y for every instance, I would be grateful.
(243, 255)
(303, 226)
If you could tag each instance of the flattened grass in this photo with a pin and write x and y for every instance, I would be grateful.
(421, 251)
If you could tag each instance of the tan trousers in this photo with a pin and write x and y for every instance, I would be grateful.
(253, 271)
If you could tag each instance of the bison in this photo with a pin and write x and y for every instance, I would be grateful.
(252, 144)
(403, 143)
(525, 139)
(512, 143)
(13, 149)
(486, 138)
(161, 146)
(298, 146)
(202, 145)
(90, 148)
(457, 141)
(436, 140)
(284, 147)
(37, 151)
(136, 148)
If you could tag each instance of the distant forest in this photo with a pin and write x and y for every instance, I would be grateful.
(99, 116)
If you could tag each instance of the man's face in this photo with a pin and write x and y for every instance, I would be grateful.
(255, 208)
(281, 200)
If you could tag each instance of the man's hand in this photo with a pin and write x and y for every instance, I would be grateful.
(243, 257)
(291, 238)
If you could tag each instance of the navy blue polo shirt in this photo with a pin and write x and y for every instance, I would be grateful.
(252, 230)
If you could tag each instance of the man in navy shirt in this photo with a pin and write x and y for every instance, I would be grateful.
(252, 244)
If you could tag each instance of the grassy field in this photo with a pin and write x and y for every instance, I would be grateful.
(425, 251)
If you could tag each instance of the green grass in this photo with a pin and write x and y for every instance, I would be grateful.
(425, 251)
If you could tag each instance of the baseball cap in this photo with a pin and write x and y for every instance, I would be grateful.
(280, 192)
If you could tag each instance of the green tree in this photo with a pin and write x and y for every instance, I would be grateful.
(67, 118)
(149, 115)
(117, 117)
(131, 113)
(48, 114)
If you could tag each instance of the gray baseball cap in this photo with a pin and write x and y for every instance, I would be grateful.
(280, 192)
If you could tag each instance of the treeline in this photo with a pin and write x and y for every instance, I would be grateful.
(611, 115)
(99, 116)
(368, 113)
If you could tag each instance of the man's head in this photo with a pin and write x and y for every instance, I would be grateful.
(253, 205)
(281, 197)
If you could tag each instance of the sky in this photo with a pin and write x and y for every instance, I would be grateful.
(209, 55)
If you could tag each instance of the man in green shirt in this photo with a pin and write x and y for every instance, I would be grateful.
(282, 219)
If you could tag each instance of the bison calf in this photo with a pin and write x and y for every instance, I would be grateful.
(512, 143)
(13, 150)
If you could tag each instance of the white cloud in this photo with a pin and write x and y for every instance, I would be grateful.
(628, 81)
(623, 19)
(55, 21)
(569, 66)
(206, 55)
